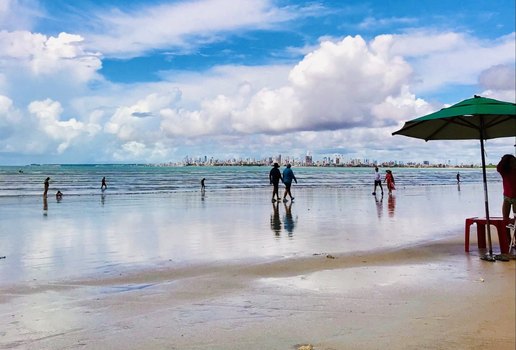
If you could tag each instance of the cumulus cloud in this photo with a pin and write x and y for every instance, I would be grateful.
(47, 55)
(342, 84)
(345, 94)
(139, 122)
(47, 115)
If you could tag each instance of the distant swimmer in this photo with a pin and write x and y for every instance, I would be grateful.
(47, 184)
(103, 186)
(202, 183)
(59, 195)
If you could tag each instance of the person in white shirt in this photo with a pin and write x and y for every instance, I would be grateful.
(377, 181)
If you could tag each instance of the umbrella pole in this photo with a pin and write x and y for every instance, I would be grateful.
(486, 257)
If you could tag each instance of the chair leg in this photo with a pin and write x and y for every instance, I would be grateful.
(466, 236)
(481, 236)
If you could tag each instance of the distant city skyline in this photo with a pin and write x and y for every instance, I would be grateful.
(150, 81)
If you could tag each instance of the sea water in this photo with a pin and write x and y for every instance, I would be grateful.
(158, 216)
(142, 179)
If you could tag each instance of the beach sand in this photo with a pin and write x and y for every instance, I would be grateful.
(229, 271)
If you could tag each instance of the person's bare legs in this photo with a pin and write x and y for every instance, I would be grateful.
(275, 191)
(506, 209)
(287, 192)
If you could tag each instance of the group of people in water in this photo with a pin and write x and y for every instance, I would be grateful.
(506, 167)
(59, 194)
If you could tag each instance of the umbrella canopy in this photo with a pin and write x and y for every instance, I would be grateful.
(477, 118)
(472, 119)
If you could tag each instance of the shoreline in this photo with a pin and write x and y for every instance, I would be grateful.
(336, 270)
(424, 289)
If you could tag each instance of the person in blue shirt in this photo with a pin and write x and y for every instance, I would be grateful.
(288, 176)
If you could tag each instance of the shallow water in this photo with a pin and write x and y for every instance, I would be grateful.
(85, 180)
(104, 234)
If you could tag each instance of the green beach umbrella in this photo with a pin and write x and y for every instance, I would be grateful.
(477, 118)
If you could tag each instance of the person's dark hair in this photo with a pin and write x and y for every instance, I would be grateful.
(505, 163)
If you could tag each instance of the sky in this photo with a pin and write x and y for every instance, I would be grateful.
(147, 81)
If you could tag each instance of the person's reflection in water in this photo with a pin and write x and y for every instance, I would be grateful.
(275, 219)
(45, 206)
(458, 186)
(288, 223)
(102, 198)
(379, 205)
(391, 205)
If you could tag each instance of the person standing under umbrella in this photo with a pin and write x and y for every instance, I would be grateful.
(507, 169)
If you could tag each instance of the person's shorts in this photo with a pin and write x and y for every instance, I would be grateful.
(509, 200)
(287, 185)
(275, 184)
(378, 183)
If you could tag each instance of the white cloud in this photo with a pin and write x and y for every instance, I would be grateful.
(450, 58)
(499, 77)
(47, 115)
(182, 25)
(347, 94)
(18, 14)
(42, 55)
(340, 85)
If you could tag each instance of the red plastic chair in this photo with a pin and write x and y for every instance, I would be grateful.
(501, 228)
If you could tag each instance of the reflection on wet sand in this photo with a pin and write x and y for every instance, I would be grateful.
(289, 220)
(275, 219)
(379, 205)
(45, 205)
(391, 205)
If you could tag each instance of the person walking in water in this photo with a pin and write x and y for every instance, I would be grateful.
(458, 177)
(274, 178)
(103, 186)
(288, 176)
(47, 184)
(389, 179)
(377, 181)
(202, 184)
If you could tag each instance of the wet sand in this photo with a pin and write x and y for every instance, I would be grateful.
(228, 271)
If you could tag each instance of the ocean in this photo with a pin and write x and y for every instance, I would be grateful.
(157, 216)
(84, 180)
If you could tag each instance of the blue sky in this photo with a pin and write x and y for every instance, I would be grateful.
(155, 81)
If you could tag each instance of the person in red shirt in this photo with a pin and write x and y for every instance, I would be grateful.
(389, 179)
(507, 169)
